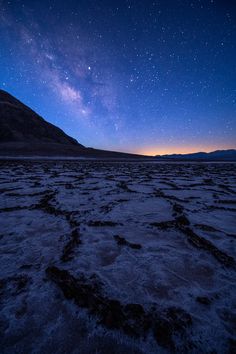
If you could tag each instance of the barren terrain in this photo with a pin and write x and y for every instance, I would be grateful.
(117, 257)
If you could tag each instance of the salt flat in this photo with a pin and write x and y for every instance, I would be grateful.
(117, 257)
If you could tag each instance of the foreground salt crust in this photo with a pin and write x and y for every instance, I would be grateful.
(117, 257)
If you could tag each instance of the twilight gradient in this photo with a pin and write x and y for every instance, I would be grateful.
(151, 77)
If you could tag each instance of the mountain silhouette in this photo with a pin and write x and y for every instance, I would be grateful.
(20, 124)
(24, 133)
(214, 155)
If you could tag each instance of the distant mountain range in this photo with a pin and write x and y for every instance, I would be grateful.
(214, 155)
(24, 133)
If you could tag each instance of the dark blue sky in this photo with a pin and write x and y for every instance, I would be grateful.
(141, 76)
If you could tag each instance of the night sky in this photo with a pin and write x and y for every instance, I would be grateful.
(140, 76)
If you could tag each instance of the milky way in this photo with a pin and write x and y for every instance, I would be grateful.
(140, 76)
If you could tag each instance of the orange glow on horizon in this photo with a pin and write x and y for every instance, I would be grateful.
(152, 151)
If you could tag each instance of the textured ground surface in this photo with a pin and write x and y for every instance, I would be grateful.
(105, 257)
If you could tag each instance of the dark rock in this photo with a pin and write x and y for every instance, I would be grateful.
(177, 208)
(203, 300)
(162, 331)
(138, 322)
(232, 346)
(206, 228)
(69, 247)
(112, 314)
(123, 185)
(121, 241)
(164, 225)
(182, 220)
(135, 246)
(208, 181)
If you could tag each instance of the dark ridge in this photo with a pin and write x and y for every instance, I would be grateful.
(19, 123)
(228, 155)
(24, 133)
